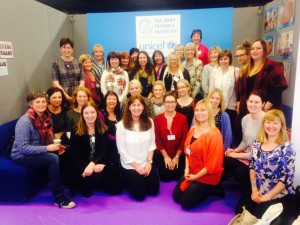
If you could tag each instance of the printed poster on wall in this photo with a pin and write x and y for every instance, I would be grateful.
(157, 33)
(270, 41)
(285, 45)
(287, 70)
(286, 13)
(6, 50)
(271, 18)
(3, 67)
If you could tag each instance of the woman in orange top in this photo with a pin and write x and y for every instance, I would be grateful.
(204, 158)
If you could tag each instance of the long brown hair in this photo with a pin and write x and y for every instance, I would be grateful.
(74, 96)
(82, 127)
(250, 63)
(145, 122)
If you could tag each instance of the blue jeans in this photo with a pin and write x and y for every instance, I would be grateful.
(49, 160)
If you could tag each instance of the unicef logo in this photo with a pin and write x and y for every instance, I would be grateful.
(171, 45)
(145, 26)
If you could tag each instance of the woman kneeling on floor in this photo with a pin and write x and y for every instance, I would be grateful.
(89, 155)
(204, 157)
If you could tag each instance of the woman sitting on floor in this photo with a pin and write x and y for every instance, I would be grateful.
(272, 169)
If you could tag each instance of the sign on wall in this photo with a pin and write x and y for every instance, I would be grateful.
(157, 33)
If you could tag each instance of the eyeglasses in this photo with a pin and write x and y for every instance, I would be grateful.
(170, 102)
(241, 55)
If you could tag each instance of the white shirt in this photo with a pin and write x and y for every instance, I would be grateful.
(134, 145)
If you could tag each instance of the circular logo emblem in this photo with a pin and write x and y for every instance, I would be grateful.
(145, 26)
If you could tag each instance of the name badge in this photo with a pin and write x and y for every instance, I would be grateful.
(171, 137)
(188, 151)
(175, 78)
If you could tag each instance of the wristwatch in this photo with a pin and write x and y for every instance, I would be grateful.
(150, 161)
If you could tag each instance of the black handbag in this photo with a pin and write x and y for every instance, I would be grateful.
(9, 146)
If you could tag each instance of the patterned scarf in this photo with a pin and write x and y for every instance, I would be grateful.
(43, 125)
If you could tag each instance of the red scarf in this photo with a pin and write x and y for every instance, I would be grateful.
(43, 124)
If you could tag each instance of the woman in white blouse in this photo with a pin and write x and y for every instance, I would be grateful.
(225, 78)
(136, 144)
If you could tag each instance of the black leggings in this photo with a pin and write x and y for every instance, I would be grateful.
(138, 185)
(166, 174)
(195, 194)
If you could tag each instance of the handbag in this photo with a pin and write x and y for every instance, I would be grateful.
(9, 146)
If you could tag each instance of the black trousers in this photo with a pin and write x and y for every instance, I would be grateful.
(195, 194)
(139, 186)
(166, 174)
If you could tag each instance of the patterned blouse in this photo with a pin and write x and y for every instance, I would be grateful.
(195, 70)
(274, 166)
(68, 74)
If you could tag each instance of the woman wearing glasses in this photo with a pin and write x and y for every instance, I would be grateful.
(170, 131)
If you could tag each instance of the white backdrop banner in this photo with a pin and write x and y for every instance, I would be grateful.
(157, 33)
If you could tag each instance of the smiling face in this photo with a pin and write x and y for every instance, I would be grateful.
(241, 57)
(125, 61)
(87, 65)
(111, 101)
(56, 99)
(190, 52)
(179, 50)
(272, 128)
(143, 59)
(170, 103)
(66, 50)
(224, 61)
(114, 62)
(173, 63)
(254, 104)
(201, 114)
(257, 52)
(158, 91)
(134, 56)
(215, 100)
(81, 98)
(98, 54)
(89, 115)
(213, 56)
(158, 58)
(39, 105)
(136, 109)
(196, 38)
(183, 90)
(135, 90)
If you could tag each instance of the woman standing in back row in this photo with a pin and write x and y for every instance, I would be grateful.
(261, 74)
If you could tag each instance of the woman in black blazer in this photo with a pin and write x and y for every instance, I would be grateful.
(89, 153)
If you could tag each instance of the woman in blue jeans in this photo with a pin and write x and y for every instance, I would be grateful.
(33, 145)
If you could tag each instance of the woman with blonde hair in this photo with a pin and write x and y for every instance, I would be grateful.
(99, 62)
(204, 153)
(194, 66)
(173, 72)
(179, 50)
(209, 68)
(272, 169)
(185, 103)
(158, 97)
(222, 120)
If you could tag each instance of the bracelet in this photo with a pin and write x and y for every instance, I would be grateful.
(267, 196)
(177, 156)
(187, 169)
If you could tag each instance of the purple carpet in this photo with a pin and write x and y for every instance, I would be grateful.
(120, 210)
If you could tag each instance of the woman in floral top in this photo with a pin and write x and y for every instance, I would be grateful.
(194, 67)
(115, 78)
(272, 168)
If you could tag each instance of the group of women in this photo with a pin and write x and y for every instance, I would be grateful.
(131, 122)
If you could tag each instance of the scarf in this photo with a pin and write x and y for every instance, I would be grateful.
(43, 125)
